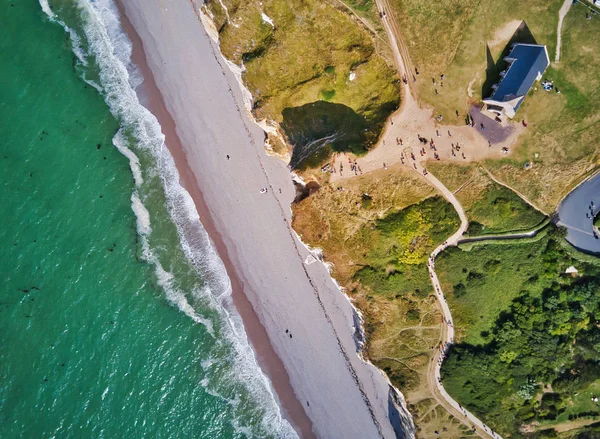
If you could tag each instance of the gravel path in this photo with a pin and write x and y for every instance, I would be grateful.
(434, 377)
(561, 15)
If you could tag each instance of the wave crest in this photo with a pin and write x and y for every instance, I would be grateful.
(232, 371)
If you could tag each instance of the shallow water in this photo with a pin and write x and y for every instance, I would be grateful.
(111, 324)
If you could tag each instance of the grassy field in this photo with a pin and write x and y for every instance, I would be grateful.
(315, 71)
(465, 39)
(566, 125)
(482, 282)
(377, 231)
(490, 207)
(335, 215)
(525, 358)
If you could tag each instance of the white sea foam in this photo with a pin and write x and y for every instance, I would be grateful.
(134, 161)
(46, 9)
(142, 215)
(111, 50)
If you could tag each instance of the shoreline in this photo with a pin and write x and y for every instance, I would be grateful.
(267, 359)
(310, 323)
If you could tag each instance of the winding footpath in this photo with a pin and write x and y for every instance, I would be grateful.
(433, 376)
(402, 61)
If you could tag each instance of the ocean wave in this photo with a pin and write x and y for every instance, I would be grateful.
(100, 44)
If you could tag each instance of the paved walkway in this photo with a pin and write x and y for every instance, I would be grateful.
(448, 333)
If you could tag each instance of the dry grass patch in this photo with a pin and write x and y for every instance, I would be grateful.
(561, 139)
(331, 217)
(355, 228)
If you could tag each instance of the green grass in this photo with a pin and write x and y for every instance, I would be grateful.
(565, 126)
(527, 333)
(361, 5)
(481, 283)
(378, 245)
(490, 207)
(498, 210)
(562, 133)
(453, 37)
(314, 53)
(399, 245)
(581, 403)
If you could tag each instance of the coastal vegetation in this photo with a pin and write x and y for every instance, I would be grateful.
(313, 69)
(378, 230)
(490, 207)
(526, 357)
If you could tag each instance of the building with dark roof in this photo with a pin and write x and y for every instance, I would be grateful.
(526, 64)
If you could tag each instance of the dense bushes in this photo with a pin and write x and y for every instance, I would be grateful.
(553, 338)
(400, 244)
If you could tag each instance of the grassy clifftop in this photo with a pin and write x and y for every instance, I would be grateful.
(526, 360)
(312, 68)
(465, 39)
(378, 230)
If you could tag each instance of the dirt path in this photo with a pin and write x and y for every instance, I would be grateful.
(400, 139)
(434, 377)
(401, 56)
(561, 15)
(412, 122)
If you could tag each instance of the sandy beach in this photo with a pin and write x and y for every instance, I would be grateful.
(311, 352)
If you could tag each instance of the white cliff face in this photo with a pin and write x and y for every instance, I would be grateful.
(309, 321)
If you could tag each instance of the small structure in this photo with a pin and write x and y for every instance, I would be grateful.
(526, 64)
(571, 270)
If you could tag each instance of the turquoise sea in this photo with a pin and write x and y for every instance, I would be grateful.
(115, 313)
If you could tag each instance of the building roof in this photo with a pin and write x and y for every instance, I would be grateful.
(527, 62)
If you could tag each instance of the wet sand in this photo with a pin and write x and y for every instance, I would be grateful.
(300, 324)
(268, 360)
